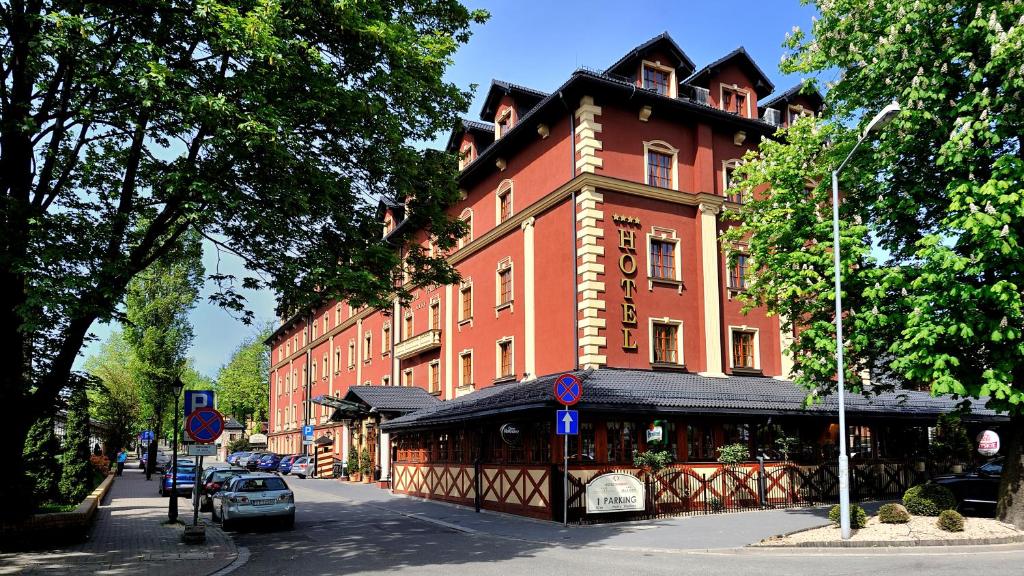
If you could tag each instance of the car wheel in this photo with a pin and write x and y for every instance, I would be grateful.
(303, 476)
(213, 514)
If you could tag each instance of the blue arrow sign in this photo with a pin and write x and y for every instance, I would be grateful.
(307, 432)
(567, 422)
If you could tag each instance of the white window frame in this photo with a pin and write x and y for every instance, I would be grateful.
(431, 367)
(679, 339)
(504, 264)
(351, 353)
(408, 321)
(657, 65)
(506, 114)
(337, 359)
(385, 380)
(367, 346)
(497, 357)
(407, 379)
(385, 339)
(757, 346)
(506, 185)
(435, 301)
(325, 368)
(466, 216)
(664, 235)
(464, 286)
(466, 155)
(726, 165)
(472, 368)
(799, 110)
(661, 147)
(733, 88)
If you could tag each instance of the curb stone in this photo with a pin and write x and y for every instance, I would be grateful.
(895, 543)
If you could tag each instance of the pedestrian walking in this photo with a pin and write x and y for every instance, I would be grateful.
(122, 457)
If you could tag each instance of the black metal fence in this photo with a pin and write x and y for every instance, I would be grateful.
(709, 489)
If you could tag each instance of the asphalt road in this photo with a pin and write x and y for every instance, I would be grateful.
(335, 537)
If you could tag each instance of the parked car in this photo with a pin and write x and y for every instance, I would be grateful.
(285, 467)
(185, 471)
(163, 459)
(978, 489)
(254, 496)
(302, 467)
(234, 457)
(269, 463)
(213, 480)
(252, 460)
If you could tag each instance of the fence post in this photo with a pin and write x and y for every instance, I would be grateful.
(761, 486)
(704, 490)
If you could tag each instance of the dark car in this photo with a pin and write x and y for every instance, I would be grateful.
(269, 463)
(252, 460)
(213, 480)
(285, 467)
(978, 489)
(186, 474)
(234, 458)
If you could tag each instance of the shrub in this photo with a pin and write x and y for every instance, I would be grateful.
(951, 521)
(42, 465)
(100, 464)
(928, 499)
(352, 466)
(653, 459)
(858, 517)
(365, 466)
(76, 479)
(733, 453)
(893, 514)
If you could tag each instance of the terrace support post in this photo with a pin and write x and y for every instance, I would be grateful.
(476, 484)
(761, 488)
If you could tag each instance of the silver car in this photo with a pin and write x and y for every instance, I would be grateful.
(302, 467)
(254, 496)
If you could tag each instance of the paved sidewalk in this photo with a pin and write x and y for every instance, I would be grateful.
(714, 531)
(129, 536)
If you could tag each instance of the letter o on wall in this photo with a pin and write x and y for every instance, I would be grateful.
(627, 264)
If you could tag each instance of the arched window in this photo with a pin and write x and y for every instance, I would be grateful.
(503, 201)
(467, 217)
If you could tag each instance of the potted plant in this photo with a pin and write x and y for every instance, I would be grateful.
(365, 466)
(352, 467)
(731, 455)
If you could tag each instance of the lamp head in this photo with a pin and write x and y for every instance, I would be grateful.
(882, 118)
(178, 386)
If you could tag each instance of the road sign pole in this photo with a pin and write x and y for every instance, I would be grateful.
(196, 490)
(565, 484)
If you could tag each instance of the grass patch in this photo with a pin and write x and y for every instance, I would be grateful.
(51, 507)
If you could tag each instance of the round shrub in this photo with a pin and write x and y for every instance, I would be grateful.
(951, 521)
(858, 517)
(928, 500)
(893, 514)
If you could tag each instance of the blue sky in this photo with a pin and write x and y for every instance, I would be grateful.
(538, 44)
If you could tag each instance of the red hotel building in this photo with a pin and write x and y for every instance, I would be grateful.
(594, 216)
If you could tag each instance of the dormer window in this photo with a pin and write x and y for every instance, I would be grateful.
(503, 123)
(465, 156)
(657, 78)
(735, 100)
(796, 112)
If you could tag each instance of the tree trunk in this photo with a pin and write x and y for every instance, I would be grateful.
(14, 481)
(1010, 508)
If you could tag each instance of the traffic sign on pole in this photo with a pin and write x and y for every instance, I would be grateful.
(196, 399)
(567, 422)
(568, 389)
(204, 425)
(307, 432)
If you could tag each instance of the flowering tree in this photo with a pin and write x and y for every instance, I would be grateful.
(932, 211)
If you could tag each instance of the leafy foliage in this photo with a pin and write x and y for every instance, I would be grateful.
(928, 499)
(239, 444)
(76, 480)
(41, 450)
(365, 464)
(951, 439)
(893, 513)
(733, 453)
(858, 517)
(654, 460)
(951, 521)
(116, 401)
(270, 128)
(242, 382)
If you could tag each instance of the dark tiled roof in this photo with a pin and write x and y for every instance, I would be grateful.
(685, 63)
(232, 424)
(484, 133)
(762, 85)
(789, 94)
(393, 398)
(618, 390)
(526, 98)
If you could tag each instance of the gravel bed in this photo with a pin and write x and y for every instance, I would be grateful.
(920, 530)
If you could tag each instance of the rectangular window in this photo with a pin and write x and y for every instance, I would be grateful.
(467, 302)
(728, 181)
(407, 377)
(435, 377)
(734, 100)
(504, 124)
(385, 339)
(467, 370)
(324, 368)
(351, 353)
(504, 286)
(743, 349)
(408, 324)
(504, 205)
(657, 80)
(505, 358)
(582, 448)
(622, 440)
(659, 169)
(738, 273)
(663, 259)
(337, 360)
(435, 315)
(367, 346)
(666, 344)
(385, 380)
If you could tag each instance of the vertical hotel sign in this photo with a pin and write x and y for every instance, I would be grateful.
(628, 267)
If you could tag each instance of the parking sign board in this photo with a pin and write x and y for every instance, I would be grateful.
(196, 399)
(307, 432)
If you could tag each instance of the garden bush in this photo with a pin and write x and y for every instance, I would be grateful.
(951, 521)
(928, 500)
(858, 517)
(893, 514)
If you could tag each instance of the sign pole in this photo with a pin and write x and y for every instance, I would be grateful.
(196, 489)
(565, 483)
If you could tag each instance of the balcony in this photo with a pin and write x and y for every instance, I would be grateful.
(418, 344)
(773, 117)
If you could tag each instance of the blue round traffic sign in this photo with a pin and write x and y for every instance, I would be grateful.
(568, 389)
(204, 425)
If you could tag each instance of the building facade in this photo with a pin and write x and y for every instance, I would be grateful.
(594, 214)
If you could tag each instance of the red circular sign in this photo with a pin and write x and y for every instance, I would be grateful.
(204, 425)
(568, 389)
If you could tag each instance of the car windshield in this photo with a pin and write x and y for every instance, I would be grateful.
(221, 475)
(185, 470)
(992, 468)
(260, 485)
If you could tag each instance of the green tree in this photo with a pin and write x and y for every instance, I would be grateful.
(41, 450)
(76, 480)
(242, 382)
(938, 302)
(116, 402)
(270, 127)
(158, 330)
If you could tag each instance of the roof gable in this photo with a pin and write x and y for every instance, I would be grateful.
(662, 42)
(799, 90)
(525, 98)
(762, 85)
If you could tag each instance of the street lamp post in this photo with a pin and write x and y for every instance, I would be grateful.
(876, 124)
(172, 505)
